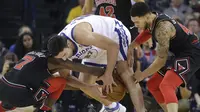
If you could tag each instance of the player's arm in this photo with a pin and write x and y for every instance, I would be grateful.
(164, 32)
(83, 35)
(76, 83)
(62, 73)
(71, 80)
(139, 0)
(89, 89)
(55, 64)
(87, 8)
(140, 39)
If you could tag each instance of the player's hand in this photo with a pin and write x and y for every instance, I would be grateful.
(107, 83)
(130, 58)
(139, 76)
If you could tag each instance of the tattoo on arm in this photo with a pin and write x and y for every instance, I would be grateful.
(164, 32)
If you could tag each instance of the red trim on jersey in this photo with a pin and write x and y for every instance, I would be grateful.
(143, 37)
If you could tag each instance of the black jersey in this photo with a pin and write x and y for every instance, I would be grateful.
(184, 40)
(119, 9)
(30, 71)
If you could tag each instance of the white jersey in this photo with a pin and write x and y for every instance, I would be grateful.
(109, 27)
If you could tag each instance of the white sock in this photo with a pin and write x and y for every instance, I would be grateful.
(112, 105)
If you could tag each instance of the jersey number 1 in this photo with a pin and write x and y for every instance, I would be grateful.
(107, 11)
(25, 60)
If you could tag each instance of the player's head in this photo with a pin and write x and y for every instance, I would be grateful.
(139, 14)
(57, 46)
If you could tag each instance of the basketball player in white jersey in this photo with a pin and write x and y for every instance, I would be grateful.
(103, 42)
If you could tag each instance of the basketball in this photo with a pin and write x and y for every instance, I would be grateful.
(118, 91)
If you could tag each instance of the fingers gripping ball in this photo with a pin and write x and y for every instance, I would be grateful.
(118, 91)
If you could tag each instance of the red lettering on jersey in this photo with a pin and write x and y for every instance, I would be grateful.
(107, 11)
(26, 59)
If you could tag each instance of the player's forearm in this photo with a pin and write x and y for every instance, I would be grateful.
(65, 73)
(112, 55)
(87, 8)
(96, 71)
(155, 66)
(139, 0)
(61, 64)
(76, 83)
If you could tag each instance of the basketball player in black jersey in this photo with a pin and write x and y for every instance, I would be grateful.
(30, 82)
(170, 36)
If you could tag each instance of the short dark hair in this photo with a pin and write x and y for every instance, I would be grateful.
(56, 44)
(139, 9)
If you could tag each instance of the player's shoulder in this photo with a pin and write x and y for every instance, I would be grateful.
(39, 59)
(165, 25)
(38, 54)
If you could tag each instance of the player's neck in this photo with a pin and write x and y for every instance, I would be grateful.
(151, 20)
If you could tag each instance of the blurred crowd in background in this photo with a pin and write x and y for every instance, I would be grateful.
(25, 23)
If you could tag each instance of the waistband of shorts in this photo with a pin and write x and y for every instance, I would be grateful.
(11, 84)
